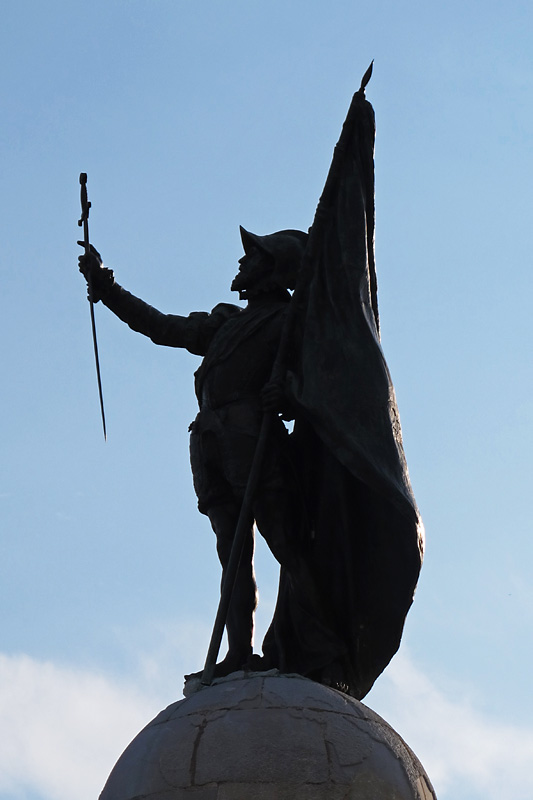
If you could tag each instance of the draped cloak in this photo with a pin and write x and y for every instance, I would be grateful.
(363, 539)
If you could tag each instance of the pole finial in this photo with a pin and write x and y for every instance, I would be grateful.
(366, 76)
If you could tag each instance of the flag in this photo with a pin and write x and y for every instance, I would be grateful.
(364, 541)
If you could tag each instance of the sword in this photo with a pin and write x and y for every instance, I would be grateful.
(84, 220)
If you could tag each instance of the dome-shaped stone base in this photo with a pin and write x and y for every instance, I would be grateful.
(264, 736)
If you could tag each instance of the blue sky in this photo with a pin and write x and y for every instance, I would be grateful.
(190, 119)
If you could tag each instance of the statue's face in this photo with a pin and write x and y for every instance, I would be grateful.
(254, 267)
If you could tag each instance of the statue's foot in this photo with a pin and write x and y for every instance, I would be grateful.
(225, 667)
(334, 676)
(228, 665)
(255, 663)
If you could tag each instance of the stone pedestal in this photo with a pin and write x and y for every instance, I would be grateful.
(265, 736)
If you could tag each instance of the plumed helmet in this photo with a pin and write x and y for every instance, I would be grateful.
(285, 247)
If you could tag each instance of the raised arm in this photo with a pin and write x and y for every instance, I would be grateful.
(194, 332)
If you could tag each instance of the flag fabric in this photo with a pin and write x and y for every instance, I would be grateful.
(364, 540)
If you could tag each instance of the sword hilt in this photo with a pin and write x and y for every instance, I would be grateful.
(85, 204)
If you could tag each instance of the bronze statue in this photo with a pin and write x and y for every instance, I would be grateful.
(333, 498)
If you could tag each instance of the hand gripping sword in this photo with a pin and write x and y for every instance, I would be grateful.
(84, 220)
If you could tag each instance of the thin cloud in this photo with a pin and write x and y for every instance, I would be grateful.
(63, 728)
(466, 753)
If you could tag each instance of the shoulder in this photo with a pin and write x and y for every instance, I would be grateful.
(205, 325)
(224, 311)
(220, 314)
(211, 320)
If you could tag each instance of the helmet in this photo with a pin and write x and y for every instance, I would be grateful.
(285, 247)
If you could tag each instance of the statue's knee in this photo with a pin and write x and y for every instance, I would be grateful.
(223, 519)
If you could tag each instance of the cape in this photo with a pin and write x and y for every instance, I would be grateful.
(362, 542)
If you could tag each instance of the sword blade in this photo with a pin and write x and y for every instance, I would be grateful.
(97, 362)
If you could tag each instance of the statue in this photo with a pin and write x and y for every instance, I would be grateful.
(333, 498)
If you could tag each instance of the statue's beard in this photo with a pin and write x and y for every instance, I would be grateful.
(235, 284)
(253, 283)
(245, 292)
(246, 285)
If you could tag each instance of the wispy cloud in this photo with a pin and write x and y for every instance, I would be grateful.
(62, 728)
(465, 752)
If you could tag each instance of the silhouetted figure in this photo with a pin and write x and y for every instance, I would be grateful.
(334, 501)
(239, 346)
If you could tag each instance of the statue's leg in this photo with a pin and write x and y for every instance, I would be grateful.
(300, 638)
(274, 516)
(240, 619)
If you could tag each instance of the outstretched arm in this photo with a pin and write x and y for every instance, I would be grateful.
(193, 332)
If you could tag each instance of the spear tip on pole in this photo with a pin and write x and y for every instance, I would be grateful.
(367, 76)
